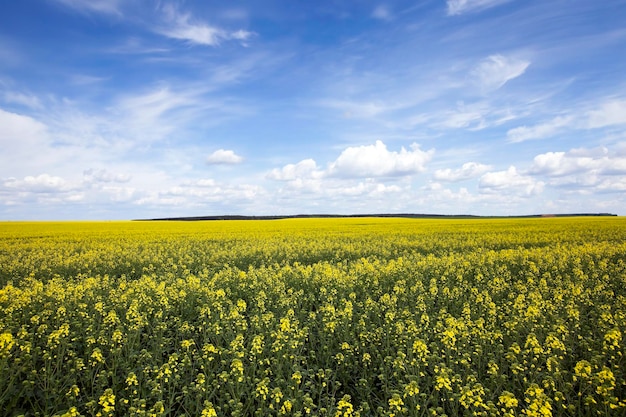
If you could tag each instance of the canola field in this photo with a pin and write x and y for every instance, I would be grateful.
(314, 317)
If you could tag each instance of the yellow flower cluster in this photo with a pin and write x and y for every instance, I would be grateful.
(314, 317)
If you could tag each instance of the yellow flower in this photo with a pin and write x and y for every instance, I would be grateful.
(507, 400)
(6, 343)
(96, 356)
(72, 412)
(131, 380)
(107, 401)
(73, 391)
(538, 402)
(612, 339)
(208, 410)
(236, 368)
(186, 344)
(297, 377)
(582, 370)
(286, 407)
(411, 389)
(606, 382)
(395, 403)
(345, 408)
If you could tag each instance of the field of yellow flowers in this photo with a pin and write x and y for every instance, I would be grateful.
(314, 317)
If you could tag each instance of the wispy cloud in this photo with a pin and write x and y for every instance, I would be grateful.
(23, 99)
(98, 6)
(606, 113)
(382, 12)
(610, 113)
(496, 70)
(183, 26)
(539, 131)
(456, 7)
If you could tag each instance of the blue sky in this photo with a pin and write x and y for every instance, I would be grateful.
(112, 109)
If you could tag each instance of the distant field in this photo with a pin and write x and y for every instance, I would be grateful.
(320, 317)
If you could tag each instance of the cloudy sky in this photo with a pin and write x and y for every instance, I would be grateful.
(111, 109)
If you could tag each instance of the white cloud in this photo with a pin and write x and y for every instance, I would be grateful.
(43, 183)
(540, 131)
(21, 139)
(150, 106)
(27, 100)
(224, 157)
(194, 195)
(98, 6)
(609, 113)
(154, 114)
(357, 109)
(206, 182)
(382, 12)
(496, 70)
(120, 194)
(599, 161)
(376, 161)
(464, 117)
(304, 169)
(181, 26)
(367, 161)
(612, 185)
(510, 182)
(20, 132)
(467, 171)
(471, 116)
(456, 7)
(91, 176)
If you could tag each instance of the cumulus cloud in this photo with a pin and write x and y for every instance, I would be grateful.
(304, 169)
(539, 131)
(181, 26)
(369, 161)
(468, 171)
(224, 157)
(510, 182)
(206, 182)
(599, 161)
(457, 7)
(43, 183)
(103, 176)
(377, 161)
(496, 70)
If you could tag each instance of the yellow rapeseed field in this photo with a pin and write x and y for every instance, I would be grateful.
(314, 317)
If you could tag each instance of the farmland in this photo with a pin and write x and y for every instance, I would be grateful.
(320, 317)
